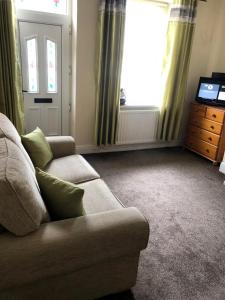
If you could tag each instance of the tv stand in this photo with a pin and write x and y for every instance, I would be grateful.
(206, 131)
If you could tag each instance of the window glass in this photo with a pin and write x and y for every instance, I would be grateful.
(32, 65)
(50, 6)
(144, 45)
(51, 65)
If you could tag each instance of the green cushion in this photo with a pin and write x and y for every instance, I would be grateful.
(37, 147)
(62, 198)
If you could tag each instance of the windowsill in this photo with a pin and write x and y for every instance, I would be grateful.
(138, 107)
(20, 10)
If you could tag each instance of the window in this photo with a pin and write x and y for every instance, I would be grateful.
(144, 45)
(32, 65)
(49, 6)
(51, 65)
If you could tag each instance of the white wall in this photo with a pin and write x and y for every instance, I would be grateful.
(74, 63)
(208, 54)
(208, 48)
(87, 12)
(208, 45)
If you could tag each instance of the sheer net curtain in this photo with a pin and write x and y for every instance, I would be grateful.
(111, 22)
(11, 98)
(175, 67)
(144, 47)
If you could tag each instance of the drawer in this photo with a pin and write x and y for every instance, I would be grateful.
(204, 135)
(202, 147)
(206, 124)
(215, 114)
(198, 110)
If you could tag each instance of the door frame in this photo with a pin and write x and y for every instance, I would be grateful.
(65, 22)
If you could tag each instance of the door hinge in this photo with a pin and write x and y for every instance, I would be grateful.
(69, 107)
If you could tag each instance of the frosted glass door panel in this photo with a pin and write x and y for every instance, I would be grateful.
(32, 65)
(52, 69)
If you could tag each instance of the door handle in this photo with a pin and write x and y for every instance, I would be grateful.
(24, 91)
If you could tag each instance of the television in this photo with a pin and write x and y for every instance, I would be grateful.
(218, 75)
(211, 91)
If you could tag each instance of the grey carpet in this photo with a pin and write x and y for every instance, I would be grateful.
(183, 197)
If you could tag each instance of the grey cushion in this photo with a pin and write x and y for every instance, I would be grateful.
(73, 168)
(21, 206)
(8, 130)
(98, 197)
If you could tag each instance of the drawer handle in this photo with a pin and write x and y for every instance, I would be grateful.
(214, 116)
(207, 150)
(212, 127)
(210, 139)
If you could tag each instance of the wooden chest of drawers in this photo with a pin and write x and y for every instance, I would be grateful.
(206, 131)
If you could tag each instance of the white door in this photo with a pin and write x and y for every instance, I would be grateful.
(41, 70)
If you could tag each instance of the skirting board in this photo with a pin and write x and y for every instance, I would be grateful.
(222, 167)
(87, 149)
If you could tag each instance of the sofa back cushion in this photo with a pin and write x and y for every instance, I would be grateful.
(8, 130)
(21, 206)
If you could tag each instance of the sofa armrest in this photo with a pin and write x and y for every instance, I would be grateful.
(69, 245)
(61, 145)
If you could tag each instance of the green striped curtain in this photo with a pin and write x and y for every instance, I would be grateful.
(11, 98)
(109, 63)
(175, 67)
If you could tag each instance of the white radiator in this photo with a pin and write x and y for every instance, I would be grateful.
(137, 126)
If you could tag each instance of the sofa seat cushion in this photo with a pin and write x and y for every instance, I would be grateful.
(21, 206)
(98, 197)
(73, 168)
(8, 130)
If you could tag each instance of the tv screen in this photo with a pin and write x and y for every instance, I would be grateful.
(211, 91)
(208, 91)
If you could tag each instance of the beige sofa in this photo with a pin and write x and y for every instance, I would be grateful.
(81, 258)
